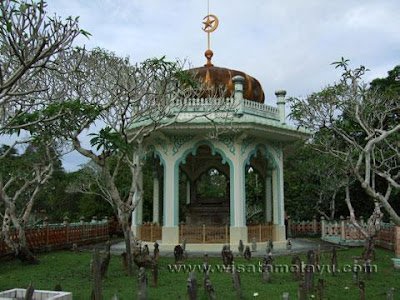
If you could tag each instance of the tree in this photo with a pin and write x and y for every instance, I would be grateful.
(32, 46)
(33, 52)
(357, 126)
(21, 179)
(132, 102)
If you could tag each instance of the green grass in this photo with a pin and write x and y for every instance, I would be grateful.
(72, 272)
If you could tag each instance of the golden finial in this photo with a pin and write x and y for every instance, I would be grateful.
(210, 25)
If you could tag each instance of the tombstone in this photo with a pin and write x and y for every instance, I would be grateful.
(241, 248)
(321, 283)
(206, 264)
(30, 290)
(237, 284)
(155, 275)
(184, 248)
(115, 297)
(106, 261)
(247, 253)
(142, 282)
(389, 294)
(309, 271)
(192, 287)
(334, 261)
(210, 290)
(206, 277)
(355, 272)
(267, 268)
(184, 244)
(227, 257)
(124, 259)
(57, 288)
(289, 245)
(296, 268)
(318, 256)
(270, 246)
(97, 286)
(178, 253)
(285, 296)
(302, 291)
(75, 248)
(254, 244)
(361, 286)
(367, 269)
(145, 250)
(156, 252)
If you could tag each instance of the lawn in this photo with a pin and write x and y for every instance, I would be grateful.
(72, 272)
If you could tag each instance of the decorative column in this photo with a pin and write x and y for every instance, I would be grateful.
(137, 215)
(238, 229)
(170, 229)
(279, 233)
(238, 82)
(156, 198)
(268, 197)
(280, 95)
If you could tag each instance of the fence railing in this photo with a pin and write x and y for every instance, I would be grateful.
(302, 228)
(58, 236)
(260, 232)
(204, 234)
(150, 232)
(344, 232)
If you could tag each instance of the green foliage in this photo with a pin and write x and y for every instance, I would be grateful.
(55, 120)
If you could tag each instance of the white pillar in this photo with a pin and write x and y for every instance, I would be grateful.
(187, 191)
(170, 229)
(156, 198)
(238, 229)
(275, 197)
(268, 197)
(137, 215)
(280, 95)
(279, 233)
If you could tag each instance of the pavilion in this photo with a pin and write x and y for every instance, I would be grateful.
(255, 138)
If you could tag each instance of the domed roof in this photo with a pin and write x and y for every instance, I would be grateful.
(216, 76)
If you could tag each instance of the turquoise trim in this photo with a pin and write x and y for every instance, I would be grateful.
(271, 158)
(162, 162)
(182, 159)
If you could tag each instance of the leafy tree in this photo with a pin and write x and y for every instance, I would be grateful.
(357, 127)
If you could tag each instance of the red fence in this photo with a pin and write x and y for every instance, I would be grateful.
(303, 228)
(341, 231)
(61, 236)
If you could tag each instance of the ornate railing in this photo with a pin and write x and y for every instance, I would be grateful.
(225, 105)
(150, 232)
(204, 234)
(259, 233)
(344, 232)
(303, 228)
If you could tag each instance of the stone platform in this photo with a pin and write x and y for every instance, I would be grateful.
(214, 250)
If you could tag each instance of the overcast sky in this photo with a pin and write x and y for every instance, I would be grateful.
(284, 44)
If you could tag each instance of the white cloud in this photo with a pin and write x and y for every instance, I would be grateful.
(284, 44)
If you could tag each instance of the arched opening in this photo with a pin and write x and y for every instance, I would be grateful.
(255, 194)
(204, 189)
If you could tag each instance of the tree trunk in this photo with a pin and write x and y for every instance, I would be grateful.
(128, 246)
(369, 248)
(19, 246)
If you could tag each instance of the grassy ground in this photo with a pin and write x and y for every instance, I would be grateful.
(72, 272)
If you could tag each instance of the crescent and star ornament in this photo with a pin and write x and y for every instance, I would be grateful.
(211, 23)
